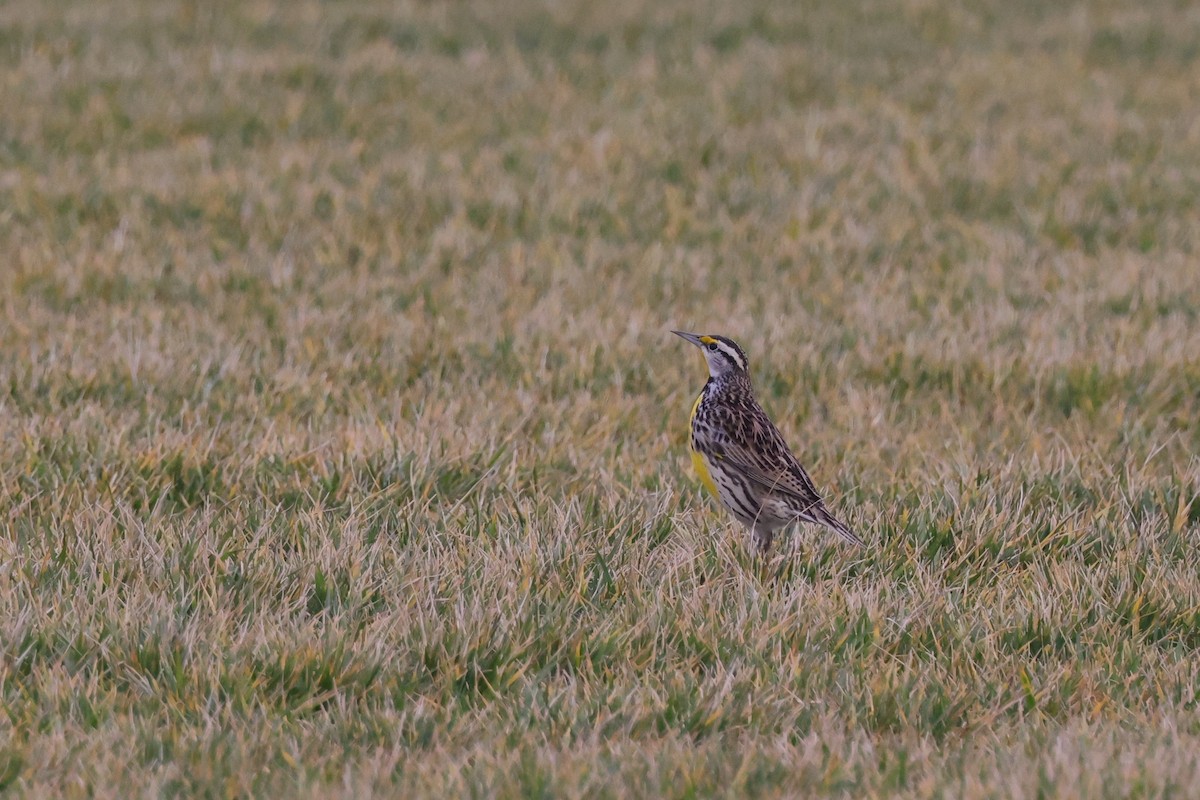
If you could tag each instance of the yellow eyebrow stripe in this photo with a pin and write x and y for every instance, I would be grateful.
(707, 339)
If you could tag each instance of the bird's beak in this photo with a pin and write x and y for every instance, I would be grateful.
(691, 337)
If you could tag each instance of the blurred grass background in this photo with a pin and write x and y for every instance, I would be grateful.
(342, 438)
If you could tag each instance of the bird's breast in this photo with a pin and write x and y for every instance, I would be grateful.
(700, 463)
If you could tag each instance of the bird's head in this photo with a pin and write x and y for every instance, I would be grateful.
(723, 355)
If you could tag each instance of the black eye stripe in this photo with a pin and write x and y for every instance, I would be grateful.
(732, 353)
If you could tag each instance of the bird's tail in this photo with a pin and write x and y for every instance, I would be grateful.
(829, 520)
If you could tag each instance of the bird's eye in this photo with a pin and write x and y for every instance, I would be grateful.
(712, 346)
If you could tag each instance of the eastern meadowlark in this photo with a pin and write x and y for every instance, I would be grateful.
(741, 456)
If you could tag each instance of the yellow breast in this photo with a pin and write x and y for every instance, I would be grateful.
(701, 465)
(699, 462)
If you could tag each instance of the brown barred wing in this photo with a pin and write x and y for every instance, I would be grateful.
(755, 448)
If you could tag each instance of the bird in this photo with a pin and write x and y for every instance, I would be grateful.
(742, 458)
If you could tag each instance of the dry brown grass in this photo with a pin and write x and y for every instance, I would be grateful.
(342, 434)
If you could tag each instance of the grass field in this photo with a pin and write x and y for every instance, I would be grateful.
(343, 438)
